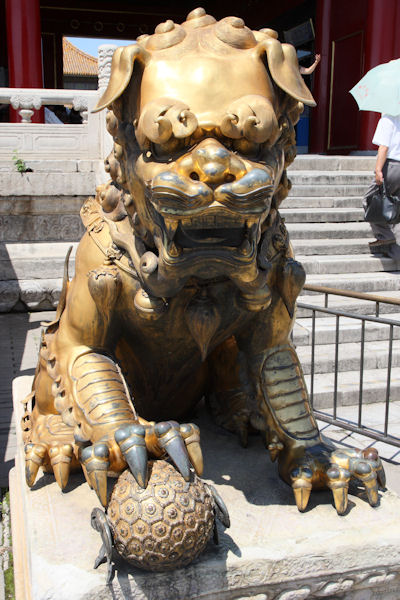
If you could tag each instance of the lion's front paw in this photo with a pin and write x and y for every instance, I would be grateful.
(180, 442)
(50, 445)
(133, 444)
(323, 466)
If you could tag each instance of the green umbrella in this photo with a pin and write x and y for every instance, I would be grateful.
(379, 89)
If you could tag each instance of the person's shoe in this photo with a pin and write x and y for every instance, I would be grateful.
(381, 246)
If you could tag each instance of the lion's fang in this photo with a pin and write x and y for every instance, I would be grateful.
(171, 226)
(174, 250)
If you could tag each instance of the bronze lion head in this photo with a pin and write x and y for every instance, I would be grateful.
(202, 115)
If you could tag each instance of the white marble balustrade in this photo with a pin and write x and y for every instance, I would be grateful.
(42, 141)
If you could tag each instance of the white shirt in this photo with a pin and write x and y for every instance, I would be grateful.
(388, 134)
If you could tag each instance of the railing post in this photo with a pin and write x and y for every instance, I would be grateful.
(24, 104)
(105, 54)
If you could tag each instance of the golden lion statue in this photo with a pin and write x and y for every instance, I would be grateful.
(185, 283)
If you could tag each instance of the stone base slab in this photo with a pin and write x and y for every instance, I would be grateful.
(29, 295)
(271, 551)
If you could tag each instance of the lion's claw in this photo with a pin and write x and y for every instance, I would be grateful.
(322, 467)
(39, 455)
(60, 460)
(338, 483)
(366, 474)
(372, 455)
(191, 437)
(35, 455)
(180, 442)
(130, 445)
(301, 485)
(95, 460)
(131, 441)
(171, 441)
(363, 468)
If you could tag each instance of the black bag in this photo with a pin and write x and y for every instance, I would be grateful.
(380, 207)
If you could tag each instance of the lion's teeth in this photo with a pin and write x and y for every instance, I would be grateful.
(174, 250)
(171, 227)
(251, 222)
(245, 247)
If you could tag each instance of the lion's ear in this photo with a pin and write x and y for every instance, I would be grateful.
(284, 69)
(122, 64)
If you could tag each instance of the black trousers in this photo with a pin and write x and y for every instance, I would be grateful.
(391, 175)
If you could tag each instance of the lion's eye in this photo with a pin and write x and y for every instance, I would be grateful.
(246, 148)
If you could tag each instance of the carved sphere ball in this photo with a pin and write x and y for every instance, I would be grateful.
(166, 525)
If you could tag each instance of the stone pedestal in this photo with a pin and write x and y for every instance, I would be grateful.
(271, 551)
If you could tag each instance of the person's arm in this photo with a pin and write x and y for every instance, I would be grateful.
(380, 161)
(311, 68)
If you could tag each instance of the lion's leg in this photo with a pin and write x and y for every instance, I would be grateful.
(81, 384)
(305, 460)
(229, 400)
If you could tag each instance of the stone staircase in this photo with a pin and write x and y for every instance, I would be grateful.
(324, 217)
(39, 219)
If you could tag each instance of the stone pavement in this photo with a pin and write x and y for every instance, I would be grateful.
(19, 344)
(271, 551)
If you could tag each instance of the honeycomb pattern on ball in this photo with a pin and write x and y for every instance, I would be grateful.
(164, 526)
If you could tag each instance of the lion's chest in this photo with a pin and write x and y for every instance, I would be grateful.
(162, 358)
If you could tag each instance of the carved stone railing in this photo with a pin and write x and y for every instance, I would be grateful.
(27, 100)
(88, 140)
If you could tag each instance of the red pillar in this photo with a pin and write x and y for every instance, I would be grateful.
(24, 45)
(381, 40)
(319, 115)
(396, 47)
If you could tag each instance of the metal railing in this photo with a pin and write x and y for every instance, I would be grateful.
(393, 325)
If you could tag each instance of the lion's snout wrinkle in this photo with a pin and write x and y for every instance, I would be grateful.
(214, 164)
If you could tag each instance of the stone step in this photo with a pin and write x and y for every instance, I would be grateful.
(332, 163)
(374, 388)
(42, 227)
(349, 357)
(323, 202)
(307, 231)
(358, 282)
(322, 215)
(39, 260)
(330, 246)
(41, 205)
(329, 178)
(353, 305)
(349, 330)
(53, 166)
(321, 191)
(346, 263)
(48, 184)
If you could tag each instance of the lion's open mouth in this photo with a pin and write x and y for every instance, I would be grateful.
(211, 229)
(216, 229)
(196, 219)
(190, 238)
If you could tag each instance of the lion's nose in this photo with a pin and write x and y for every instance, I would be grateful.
(214, 164)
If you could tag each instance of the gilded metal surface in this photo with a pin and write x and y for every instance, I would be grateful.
(185, 281)
(164, 526)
